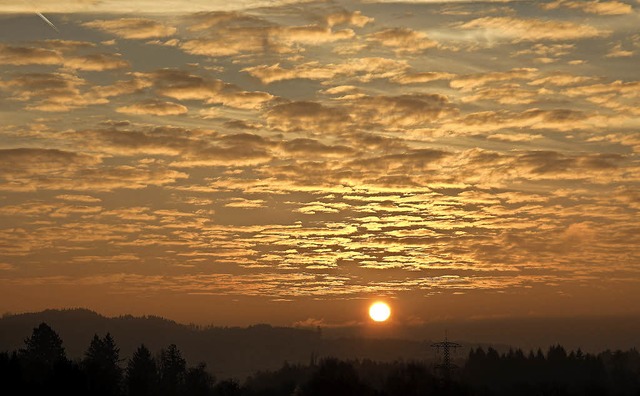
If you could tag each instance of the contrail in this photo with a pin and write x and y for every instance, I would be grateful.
(38, 13)
(44, 18)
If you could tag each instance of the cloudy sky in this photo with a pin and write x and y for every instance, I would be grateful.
(234, 162)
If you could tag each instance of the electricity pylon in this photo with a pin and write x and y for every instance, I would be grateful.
(446, 366)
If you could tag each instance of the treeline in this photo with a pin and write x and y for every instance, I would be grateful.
(557, 372)
(42, 367)
(484, 373)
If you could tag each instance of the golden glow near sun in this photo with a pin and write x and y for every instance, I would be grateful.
(379, 312)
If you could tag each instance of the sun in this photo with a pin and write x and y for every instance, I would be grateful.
(379, 311)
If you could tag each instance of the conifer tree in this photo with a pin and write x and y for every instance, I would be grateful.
(44, 346)
(198, 382)
(172, 371)
(142, 373)
(102, 366)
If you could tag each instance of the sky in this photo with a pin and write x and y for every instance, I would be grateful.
(290, 162)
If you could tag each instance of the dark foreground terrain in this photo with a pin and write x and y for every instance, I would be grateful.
(41, 366)
(228, 351)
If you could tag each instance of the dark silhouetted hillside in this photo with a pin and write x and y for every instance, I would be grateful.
(237, 352)
(227, 351)
(41, 365)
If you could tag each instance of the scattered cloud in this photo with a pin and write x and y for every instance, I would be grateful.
(50, 169)
(422, 77)
(243, 203)
(535, 118)
(344, 17)
(307, 116)
(310, 148)
(592, 7)
(20, 56)
(50, 92)
(471, 81)
(618, 52)
(78, 198)
(401, 111)
(561, 80)
(626, 89)
(402, 40)
(182, 85)
(66, 45)
(234, 33)
(154, 107)
(521, 29)
(132, 28)
(507, 94)
(97, 62)
(362, 69)
(547, 51)
(26, 160)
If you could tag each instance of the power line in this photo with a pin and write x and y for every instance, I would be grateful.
(446, 366)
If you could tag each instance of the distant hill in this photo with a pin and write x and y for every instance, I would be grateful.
(228, 351)
(237, 352)
(590, 333)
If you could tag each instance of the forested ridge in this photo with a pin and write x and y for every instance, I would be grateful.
(228, 351)
(41, 366)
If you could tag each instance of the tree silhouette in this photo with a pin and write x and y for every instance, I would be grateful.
(10, 373)
(172, 371)
(101, 365)
(336, 378)
(44, 346)
(227, 388)
(410, 380)
(67, 379)
(142, 373)
(286, 381)
(198, 382)
(42, 351)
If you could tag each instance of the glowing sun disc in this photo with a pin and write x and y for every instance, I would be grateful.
(379, 312)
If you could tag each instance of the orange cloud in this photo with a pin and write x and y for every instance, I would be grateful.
(592, 7)
(628, 89)
(66, 45)
(306, 116)
(402, 40)
(97, 62)
(547, 51)
(312, 148)
(471, 81)
(561, 80)
(401, 111)
(132, 28)
(31, 169)
(234, 33)
(507, 94)
(20, 56)
(618, 52)
(363, 69)
(54, 92)
(78, 198)
(181, 85)
(343, 17)
(154, 107)
(558, 119)
(421, 77)
(518, 29)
